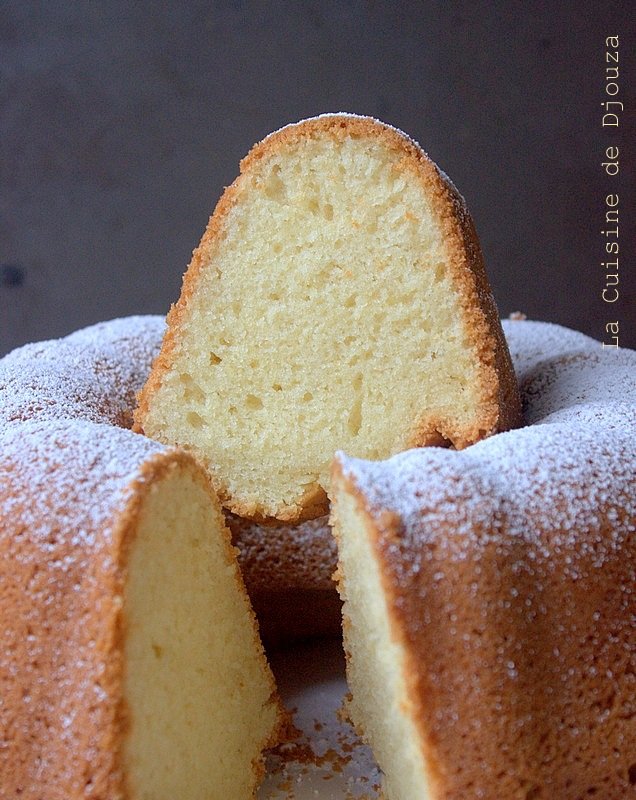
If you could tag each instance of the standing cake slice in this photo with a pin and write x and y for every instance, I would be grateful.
(338, 299)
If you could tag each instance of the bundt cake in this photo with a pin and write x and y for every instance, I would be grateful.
(338, 299)
(130, 662)
(490, 594)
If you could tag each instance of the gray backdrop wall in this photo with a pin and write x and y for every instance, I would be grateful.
(122, 122)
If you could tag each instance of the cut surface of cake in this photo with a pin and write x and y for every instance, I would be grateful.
(490, 594)
(338, 299)
(130, 663)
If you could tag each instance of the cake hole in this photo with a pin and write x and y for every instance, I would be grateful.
(253, 402)
(232, 410)
(328, 211)
(195, 420)
(351, 301)
(354, 421)
(225, 341)
(192, 392)
(237, 307)
(277, 247)
(274, 296)
(313, 205)
(440, 440)
(631, 772)
(214, 359)
(253, 363)
(439, 273)
(274, 186)
(372, 227)
(308, 397)
(157, 650)
(277, 387)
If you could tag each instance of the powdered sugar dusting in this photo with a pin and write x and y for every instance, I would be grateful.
(563, 374)
(78, 474)
(92, 374)
(531, 343)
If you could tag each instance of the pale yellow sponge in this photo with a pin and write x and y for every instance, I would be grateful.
(337, 300)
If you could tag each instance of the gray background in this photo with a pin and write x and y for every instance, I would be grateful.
(122, 121)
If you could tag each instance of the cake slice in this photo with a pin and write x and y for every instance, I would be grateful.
(338, 299)
(130, 662)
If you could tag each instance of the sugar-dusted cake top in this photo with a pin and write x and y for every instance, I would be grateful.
(92, 374)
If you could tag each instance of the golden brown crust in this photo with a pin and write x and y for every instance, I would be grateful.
(313, 504)
(284, 557)
(285, 568)
(287, 571)
(501, 402)
(500, 408)
(61, 590)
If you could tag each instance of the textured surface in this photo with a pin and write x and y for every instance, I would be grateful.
(121, 123)
(510, 576)
(78, 563)
(93, 374)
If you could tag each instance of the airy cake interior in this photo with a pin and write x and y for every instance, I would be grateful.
(379, 704)
(324, 318)
(197, 686)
